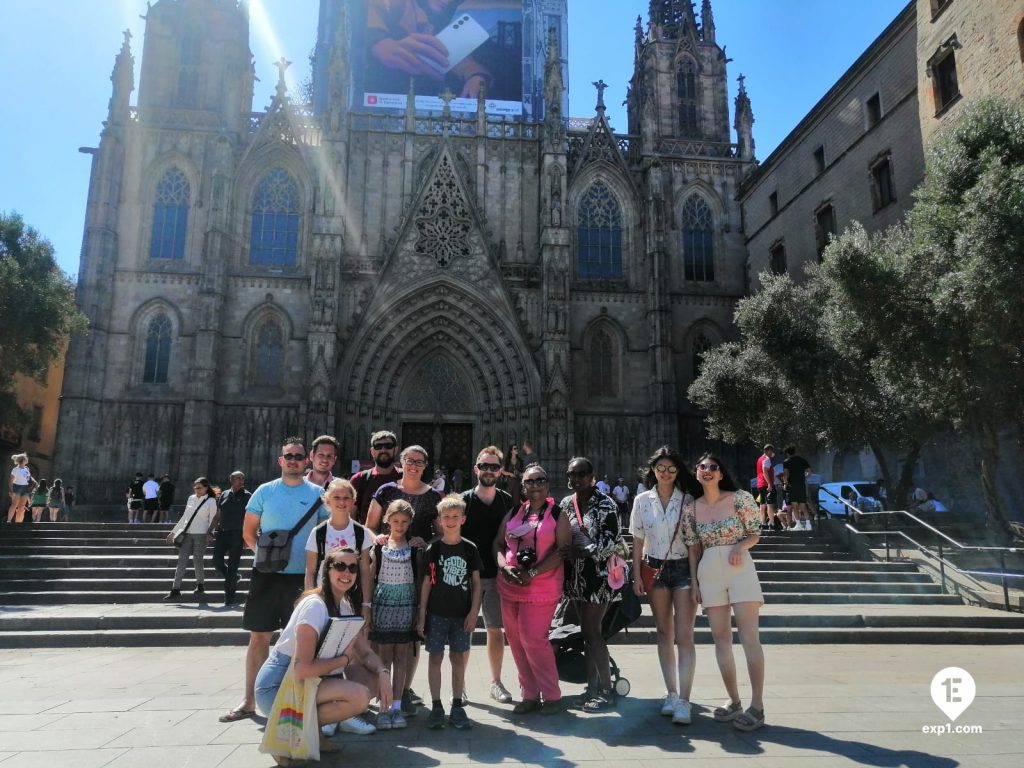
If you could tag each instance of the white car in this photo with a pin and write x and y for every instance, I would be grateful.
(865, 495)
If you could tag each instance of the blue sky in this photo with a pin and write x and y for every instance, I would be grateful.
(58, 54)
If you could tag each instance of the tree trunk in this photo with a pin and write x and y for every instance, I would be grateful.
(907, 475)
(995, 519)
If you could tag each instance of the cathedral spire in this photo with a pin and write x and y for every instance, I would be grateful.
(554, 87)
(671, 19)
(123, 79)
(707, 22)
(744, 122)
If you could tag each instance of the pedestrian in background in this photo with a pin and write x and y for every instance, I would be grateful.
(55, 500)
(231, 506)
(21, 482)
(197, 525)
(165, 499)
(39, 499)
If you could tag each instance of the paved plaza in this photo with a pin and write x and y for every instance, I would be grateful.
(834, 705)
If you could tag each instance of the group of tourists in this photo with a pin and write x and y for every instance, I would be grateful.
(38, 496)
(418, 568)
(148, 500)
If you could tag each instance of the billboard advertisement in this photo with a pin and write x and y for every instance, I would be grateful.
(455, 48)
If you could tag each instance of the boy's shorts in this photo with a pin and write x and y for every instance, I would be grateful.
(445, 631)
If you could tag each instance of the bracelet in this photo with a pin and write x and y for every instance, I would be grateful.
(346, 658)
(367, 605)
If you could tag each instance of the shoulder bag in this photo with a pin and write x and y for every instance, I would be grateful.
(648, 573)
(180, 538)
(274, 547)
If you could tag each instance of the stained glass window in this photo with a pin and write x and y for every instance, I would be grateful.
(170, 216)
(698, 240)
(602, 364)
(599, 234)
(686, 86)
(269, 357)
(274, 240)
(158, 350)
(701, 345)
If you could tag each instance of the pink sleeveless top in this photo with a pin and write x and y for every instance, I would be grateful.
(547, 587)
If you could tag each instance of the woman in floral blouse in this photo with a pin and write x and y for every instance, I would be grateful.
(727, 523)
(659, 540)
(594, 520)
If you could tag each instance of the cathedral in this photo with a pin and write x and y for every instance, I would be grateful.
(448, 267)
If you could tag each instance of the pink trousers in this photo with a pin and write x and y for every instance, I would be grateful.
(526, 627)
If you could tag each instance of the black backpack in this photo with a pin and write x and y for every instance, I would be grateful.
(321, 541)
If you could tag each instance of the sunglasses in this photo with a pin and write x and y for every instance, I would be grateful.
(578, 473)
(666, 469)
(293, 456)
(707, 467)
(414, 463)
(383, 446)
(341, 567)
(488, 467)
(536, 481)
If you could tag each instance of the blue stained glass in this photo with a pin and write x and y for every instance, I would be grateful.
(698, 227)
(274, 240)
(170, 216)
(599, 235)
(158, 351)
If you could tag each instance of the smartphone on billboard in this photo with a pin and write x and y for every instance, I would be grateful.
(461, 37)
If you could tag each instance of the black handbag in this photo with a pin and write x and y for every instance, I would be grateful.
(274, 547)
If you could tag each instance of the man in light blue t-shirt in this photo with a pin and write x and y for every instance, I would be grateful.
(277, 505)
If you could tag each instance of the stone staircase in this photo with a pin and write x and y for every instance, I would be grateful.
(101, 584)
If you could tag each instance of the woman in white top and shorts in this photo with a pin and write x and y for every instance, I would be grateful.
(659, 540)
(727, 522)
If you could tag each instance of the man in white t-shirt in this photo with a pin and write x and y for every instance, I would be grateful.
(621, 495)
(150, 504)
(602, 485)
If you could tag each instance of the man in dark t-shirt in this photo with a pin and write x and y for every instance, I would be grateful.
(794, 480)
(383, 449)
(165, 498)
(228, 525)
(136, 498)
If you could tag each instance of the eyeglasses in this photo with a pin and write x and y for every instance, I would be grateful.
(414, 462)
(536, 481)
(488, 467)
(341, 567)
(293, 456)
(708, 467)
(383, 446)
(666, 469)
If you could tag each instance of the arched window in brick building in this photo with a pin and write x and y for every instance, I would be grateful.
(158, 350)
(698, 226)
(599, 234)
(701, 345)
(268, 362)
(274, 240)
(603, 359)
(170, 216)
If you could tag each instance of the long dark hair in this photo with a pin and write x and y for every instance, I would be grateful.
(354, 595)
(726, 484)
(684, 481)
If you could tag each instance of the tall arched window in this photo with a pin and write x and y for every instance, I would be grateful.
(170, 216)
(698, 240)
(701, 345)
(158, 350)
(274, 240)
(599, 234)
(686, 88)
(602, 362)
(269, 355)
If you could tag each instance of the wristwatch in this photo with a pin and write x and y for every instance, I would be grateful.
(533, 573)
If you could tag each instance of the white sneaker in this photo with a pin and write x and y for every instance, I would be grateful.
(682, 712)
(329, 730)
(668, 704)
(356, 725)
(807, 525)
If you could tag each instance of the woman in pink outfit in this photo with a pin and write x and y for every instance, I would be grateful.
(529, 548)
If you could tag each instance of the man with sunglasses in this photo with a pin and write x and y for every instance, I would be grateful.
(486, 507)
(383, 445)
(277, 505)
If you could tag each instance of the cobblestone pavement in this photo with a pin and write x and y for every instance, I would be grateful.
(833, 705)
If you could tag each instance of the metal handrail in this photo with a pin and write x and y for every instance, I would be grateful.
(943, 562)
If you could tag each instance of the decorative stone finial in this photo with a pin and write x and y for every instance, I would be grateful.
(600, 85)
(282, 87)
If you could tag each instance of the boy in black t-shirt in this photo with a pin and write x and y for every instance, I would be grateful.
(449, 604)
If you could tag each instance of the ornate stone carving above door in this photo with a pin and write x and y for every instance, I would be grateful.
(437, 386)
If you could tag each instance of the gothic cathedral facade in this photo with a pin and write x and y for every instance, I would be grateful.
(458, 279)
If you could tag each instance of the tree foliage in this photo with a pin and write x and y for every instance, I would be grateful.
(37, 308)
(899, 335)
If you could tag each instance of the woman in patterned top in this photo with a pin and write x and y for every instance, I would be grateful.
(594, 520)
(659, 540)
(727, 523)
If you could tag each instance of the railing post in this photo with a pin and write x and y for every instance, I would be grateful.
(1002, 578)
(942, 568)
(885, 524)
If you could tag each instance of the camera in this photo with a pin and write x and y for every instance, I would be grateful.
(526, 558)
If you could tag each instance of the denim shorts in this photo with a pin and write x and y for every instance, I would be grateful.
(20, 490)
(445, 631)
(675, 574)
(268, 680)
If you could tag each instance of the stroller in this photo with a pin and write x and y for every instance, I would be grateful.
(566, 637)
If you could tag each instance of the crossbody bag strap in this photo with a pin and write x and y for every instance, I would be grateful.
(305, 517)
(194, 513)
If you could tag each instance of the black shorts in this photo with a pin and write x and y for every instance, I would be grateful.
(767, 496)
(271, 599)
(150, 505)
(135, 504)
(797, 494)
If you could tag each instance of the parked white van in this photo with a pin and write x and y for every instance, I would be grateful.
(865, 497)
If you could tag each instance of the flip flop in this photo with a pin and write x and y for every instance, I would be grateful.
(237, 714)
(750, 720)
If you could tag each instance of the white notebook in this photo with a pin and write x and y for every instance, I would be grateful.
(340, 633)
